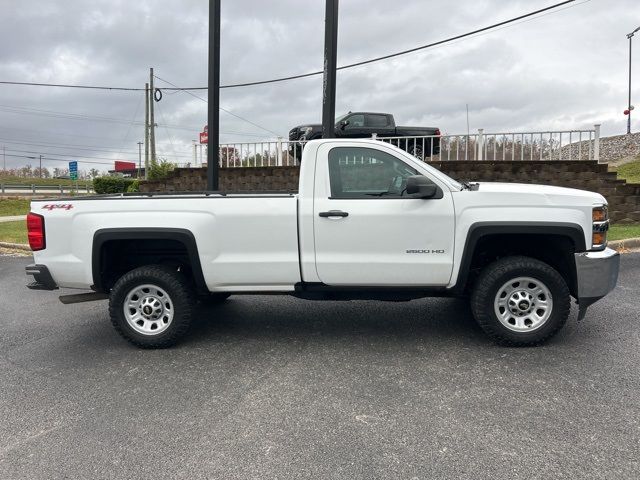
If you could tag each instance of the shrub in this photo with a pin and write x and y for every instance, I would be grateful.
(111, 184)
(134, 187)
(160, 169)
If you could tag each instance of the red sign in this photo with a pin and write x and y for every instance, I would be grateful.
(121, 166)
(204, 137)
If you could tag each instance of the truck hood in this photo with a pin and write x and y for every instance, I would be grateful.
(558, 195)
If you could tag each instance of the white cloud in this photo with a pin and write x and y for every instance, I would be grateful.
(561, 71)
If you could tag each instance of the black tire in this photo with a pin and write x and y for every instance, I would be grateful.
(491, 282)
(180, 296)
(214, 299)
(415, 149)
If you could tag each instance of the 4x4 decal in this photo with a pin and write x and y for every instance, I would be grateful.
(64, 206)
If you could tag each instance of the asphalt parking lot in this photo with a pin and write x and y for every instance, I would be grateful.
(274, 387)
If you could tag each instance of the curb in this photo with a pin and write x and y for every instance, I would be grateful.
(625, 244)
(16, 246)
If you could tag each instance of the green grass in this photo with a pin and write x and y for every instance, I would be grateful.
(39, 181)
(14, 232)
(630, 172)
(14, 206)
(621, 232)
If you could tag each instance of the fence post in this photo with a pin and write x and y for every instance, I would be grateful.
(2, 187)
(279, 152)
(33, 188)
(480, 146)
(61, 191)
(596, 143)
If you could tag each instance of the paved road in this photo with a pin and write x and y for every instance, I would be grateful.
(273, 387)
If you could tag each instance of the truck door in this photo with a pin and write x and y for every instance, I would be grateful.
(367, 232)
(353, 126)
(381, 124)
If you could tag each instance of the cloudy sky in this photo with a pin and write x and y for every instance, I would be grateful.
(563, 70)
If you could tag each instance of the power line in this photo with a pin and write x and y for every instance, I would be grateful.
(95, 148)
(320, 72)
(223, 109)
(83, 117)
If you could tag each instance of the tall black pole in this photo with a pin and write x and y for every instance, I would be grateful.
(629, 103)
(330, 64)
(214, 95)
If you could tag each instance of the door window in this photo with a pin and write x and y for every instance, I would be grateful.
(377, 121)
(355, 121)
(356, 172)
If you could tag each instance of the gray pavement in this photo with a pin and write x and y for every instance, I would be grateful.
(274, 387)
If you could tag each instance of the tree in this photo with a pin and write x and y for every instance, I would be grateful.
(93, 173)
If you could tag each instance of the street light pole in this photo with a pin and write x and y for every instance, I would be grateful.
(330, 62)
(630, 36)
(213, 112)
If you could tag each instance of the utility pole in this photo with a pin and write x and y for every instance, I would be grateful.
(4, 158)
(195, 154)
(213, 113)
(139, 160)
(152, 121)
(629, 106)
(40, 169)
(146, 131)
(330, 64)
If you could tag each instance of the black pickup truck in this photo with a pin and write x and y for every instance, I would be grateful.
(365, 124)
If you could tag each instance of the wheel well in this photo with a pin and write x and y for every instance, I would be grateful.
(116, 253)
(554, 250)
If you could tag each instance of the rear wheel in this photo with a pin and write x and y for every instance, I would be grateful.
(416, 150)
(152, 306)
(520, 301)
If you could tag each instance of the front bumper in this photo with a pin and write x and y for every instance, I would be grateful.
(42, 278)
(597, 274)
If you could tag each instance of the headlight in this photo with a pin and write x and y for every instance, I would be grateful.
(600, 219)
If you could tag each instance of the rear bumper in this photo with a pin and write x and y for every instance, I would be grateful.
(42, 278)
(597, 274)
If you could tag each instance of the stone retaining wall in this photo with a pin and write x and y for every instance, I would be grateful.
(624, 199)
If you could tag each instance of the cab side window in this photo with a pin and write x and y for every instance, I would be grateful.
(355, 121)
(356, 172)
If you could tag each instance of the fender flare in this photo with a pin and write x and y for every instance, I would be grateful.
(183, 236)
(478, 230)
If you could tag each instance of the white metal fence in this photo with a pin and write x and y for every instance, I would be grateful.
(480, 146)
(36, 189)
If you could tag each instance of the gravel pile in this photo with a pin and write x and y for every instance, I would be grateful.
(612, 149)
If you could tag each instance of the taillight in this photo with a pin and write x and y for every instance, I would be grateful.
(35, 230)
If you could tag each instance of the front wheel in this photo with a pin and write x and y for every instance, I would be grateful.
(152, 306)
(520, 301)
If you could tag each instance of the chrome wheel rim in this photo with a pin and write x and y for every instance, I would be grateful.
(148, 309)
(523, 304)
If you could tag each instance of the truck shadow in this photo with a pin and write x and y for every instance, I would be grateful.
(287, 318)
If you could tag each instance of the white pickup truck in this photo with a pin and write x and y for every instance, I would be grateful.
(369, 221)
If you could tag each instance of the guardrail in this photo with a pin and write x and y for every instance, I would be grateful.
(501, 146)
(34, 189)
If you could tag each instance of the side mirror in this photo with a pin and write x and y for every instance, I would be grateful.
(343, 124)
(419, 186)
